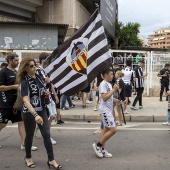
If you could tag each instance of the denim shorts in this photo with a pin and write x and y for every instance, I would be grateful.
(52, 109)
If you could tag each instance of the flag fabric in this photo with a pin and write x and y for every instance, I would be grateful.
(77, 62)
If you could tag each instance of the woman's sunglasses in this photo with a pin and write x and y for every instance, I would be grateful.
(32, 65)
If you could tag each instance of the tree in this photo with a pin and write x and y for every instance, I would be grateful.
(127, 35)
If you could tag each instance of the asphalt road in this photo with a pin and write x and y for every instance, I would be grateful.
(137, 146)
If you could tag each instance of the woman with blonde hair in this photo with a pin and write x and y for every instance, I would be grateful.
(35, 97)
(121, 91)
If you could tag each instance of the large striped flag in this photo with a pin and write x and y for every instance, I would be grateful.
(77, 62)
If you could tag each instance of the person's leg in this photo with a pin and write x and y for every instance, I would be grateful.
(84, 98)
(96, 101)
(63, 103)
(168, 117)
(30, 124)
(58, 114)
(69, 101)
(21, 130)
(2, 125)
(125, 105)
(108, 133)
(162, 90)
(109, 127)
(4, 117)
(136, 98)
(45, 131)
(167, 89)
(140, 92)
(114, 114)
(119, 111)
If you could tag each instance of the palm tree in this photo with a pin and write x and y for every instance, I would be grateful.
(127, 35)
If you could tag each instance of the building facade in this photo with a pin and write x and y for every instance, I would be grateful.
(160, 39)
(71, 12)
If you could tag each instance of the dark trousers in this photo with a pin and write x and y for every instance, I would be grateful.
(138, 97)
(30, 124)
(164, 85)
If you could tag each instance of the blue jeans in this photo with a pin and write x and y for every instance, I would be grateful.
(63, 103)
(101, 126)
(168, 117)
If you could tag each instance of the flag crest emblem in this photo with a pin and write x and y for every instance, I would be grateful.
(77, 57)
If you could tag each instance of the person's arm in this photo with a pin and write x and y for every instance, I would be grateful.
(26, 99)
(140, 73)
(27, 103)
(54, 93)
(144, 76)
(161, 74)
(168, 93)
(106, 96)
(2, 82)
(7, 88)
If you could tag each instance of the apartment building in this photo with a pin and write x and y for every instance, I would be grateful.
(160, 39)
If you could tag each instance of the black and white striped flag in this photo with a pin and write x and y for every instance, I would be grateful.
(77, 62)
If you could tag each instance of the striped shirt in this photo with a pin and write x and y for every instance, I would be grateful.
(41, 72)
(128, 75)
(139, 80)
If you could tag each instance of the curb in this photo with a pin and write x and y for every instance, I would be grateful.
(129, 118)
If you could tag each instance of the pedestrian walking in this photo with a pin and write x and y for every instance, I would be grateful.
(128, 79)
(51, 107)
(164, 81)
(63, 103)
(8, 96)
(35, 97)
(106, 113)
(139, 85)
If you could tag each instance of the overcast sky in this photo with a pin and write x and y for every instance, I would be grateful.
(151, 14)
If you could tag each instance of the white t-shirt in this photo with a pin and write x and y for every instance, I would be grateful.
(105, 107)
(128, 75)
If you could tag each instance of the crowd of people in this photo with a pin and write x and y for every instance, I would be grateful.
(29, 98)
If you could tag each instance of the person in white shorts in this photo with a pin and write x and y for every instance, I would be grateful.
(51, 107)
(106, 113)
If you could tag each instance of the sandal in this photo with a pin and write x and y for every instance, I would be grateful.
(85, 106)
(53, 167)
(31, 165)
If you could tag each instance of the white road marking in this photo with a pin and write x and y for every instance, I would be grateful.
(128, 127)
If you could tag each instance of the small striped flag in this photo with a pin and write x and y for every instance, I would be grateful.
(77, 62)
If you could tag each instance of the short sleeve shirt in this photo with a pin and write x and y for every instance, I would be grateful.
(167, 72)
(25, 90)
(122, 93)
(7, 78)
(105, 107)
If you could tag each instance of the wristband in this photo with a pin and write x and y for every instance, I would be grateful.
(35, 115)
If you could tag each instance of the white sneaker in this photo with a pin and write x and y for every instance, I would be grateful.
(140, 107)
(134, 108)
(33, 148)
(95, 109)
(106, 154)
(53, 141)
(36, 132)
(98, 131)
(88, 102)
(166, 124)
(126, 112)
(75, 98)
(54, 122)
(98, 150)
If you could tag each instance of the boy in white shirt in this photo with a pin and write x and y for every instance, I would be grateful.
(106, 112)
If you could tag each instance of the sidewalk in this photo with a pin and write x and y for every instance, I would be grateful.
(153, 111)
